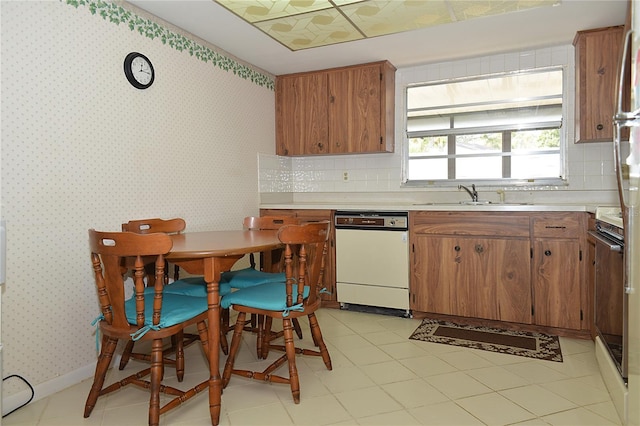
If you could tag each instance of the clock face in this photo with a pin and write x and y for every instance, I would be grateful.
(141, 70)
(138, 70)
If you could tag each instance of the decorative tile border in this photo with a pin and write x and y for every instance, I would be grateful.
(116, 14)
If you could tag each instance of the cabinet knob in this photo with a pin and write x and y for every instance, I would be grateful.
(479, 248)
(547, 252)
(599, 127)
(457, 248)
(320, 145)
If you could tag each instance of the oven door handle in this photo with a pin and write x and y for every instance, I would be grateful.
(612, 246)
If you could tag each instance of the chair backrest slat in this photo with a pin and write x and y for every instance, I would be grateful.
(305, 252)
(151, 226)
(109, 251)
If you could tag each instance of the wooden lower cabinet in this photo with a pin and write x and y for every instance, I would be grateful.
(472, 276)
(517, 267)
(556, 283)
(329, 295)
(559, 284)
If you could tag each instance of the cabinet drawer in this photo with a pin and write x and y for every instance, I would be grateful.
(557, 225)
(463, 223)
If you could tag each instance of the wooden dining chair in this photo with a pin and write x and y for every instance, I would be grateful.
(149, 315)
(251, 276)
(304, 258)
(150, 226)
(192, 286)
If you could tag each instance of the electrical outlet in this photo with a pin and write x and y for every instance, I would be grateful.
(345, 176)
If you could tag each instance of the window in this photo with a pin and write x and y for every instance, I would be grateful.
(500, 127)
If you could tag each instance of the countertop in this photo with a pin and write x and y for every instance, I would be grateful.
(501, 207)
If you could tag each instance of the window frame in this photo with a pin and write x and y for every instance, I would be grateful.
(561, 180)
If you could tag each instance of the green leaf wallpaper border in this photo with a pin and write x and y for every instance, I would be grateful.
(116, 14)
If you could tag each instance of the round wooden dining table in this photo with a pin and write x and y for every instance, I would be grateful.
(209, 253)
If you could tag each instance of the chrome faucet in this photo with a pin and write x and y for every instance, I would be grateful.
(473, 193)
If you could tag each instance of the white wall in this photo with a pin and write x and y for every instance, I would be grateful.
(590, 172)
(81, 148)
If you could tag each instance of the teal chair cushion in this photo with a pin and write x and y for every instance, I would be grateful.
(176, 308)
(269, 296)
(193, 286)
(249, 277)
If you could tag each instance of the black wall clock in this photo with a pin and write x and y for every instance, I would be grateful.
(139, 70)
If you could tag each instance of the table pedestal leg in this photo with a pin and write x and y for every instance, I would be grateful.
(213, 267)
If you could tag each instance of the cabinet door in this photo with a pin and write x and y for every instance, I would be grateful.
(306, 216)
(609, 292)
(494, 281)
(472, 277)
(301, 114)
(354, 110)
(597, 52)
(513, 280)
(556, 283)
(434, 270)
(472, 293)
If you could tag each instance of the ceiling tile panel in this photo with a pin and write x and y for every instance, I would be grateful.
(303, 24)
(380, 17)
(311, 29)
(264, 10)
(471, 9)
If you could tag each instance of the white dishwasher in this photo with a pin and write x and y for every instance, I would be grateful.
(372, 259)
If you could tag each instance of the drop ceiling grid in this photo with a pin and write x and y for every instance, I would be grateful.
(302, 25)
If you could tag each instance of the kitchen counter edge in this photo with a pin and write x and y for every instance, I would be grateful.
(438, 207)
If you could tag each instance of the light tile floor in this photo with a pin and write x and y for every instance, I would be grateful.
(379, 377)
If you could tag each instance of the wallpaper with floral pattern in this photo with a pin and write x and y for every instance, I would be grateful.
(82, 148)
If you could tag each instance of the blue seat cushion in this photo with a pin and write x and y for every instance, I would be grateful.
(176, 308)
(249, 277)
(193, 286)
(269, 296)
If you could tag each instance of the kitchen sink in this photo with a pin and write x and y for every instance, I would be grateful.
(475, 203)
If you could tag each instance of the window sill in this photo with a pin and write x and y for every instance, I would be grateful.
(524, 184)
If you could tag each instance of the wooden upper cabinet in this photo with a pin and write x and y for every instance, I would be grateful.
(597, 56)
(301, 114)
(338, 111)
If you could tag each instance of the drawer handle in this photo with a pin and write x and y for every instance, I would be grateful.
(479, 248)
(599, 127)
(457, 248)
(547, 252)
(555, 227)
